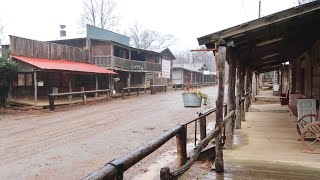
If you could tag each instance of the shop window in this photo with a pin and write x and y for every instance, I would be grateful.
(25, 79)
(21, 80)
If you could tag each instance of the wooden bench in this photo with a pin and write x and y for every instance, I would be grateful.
(155, 88)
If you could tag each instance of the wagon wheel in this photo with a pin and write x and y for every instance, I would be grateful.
(302, 123)
(310, 137)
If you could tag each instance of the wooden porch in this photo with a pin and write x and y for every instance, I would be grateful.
(267, 147)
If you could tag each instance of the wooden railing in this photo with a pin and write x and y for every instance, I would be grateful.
(126, 64)
(70, 94)
(116, 168)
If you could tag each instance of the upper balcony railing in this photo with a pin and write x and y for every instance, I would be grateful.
(125, 64)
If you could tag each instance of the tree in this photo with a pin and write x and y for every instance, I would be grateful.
(143, 38)
(99, 13)
(8, 70)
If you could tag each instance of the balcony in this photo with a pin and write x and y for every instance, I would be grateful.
(114, 62)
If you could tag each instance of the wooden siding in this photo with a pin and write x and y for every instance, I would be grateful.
(38, 49)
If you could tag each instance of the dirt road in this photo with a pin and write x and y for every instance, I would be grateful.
(71, 144)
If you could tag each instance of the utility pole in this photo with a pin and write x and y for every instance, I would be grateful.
(259, 8)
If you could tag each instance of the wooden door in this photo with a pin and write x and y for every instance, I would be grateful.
(306, 106)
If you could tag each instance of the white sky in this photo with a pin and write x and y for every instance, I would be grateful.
(185, 19)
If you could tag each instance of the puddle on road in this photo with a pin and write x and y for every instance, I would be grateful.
(165, 159)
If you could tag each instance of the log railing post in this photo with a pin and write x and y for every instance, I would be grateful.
(203, 128)
(219, 165)
(181, 139)
(51, 103)
(84, 98)
(165, 173)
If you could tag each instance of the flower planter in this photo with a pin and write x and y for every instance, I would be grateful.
(191, 100)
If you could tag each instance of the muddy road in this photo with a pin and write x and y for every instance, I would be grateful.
(71, 144)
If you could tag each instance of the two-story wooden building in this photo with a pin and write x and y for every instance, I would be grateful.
(112, 51)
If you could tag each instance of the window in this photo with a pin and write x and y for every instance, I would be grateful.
(21, 80)
(29, 80)
(25, 79)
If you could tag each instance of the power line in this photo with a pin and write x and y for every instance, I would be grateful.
(244, 8)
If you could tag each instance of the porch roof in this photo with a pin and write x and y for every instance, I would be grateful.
(64, 65)
(267, 42)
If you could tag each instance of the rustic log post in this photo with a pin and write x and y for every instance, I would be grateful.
(122, 94)
(84, 98)
(165, 173)
(225, 110)
(51, 103)
(203, 128)
(243, 73)
(250, 88)
(247, 86)
(231, 102)
(97, 86)
(219, 165)
(138, 91)
(35, 83)
(181, 139)
(238, 97)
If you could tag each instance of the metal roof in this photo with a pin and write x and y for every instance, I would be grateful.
(64, 65)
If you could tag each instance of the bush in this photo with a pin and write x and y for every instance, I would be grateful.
(8, 71)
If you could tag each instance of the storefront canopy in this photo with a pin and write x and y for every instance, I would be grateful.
(64, 65)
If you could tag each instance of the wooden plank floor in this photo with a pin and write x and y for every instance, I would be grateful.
(267, 147)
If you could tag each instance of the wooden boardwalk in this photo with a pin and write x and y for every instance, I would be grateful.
(267, 147)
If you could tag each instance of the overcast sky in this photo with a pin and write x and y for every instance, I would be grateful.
(185, 19)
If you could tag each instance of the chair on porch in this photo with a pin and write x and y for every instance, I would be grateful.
(284, 98)
(308, 124)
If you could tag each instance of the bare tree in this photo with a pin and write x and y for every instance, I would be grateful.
(303, 1)
(99, 13)
(149, 39)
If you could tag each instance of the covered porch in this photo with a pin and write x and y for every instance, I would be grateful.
(267, 147)
(285, 39)
(38, 77)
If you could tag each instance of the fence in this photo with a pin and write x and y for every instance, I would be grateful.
(116, 168)
(81, 93)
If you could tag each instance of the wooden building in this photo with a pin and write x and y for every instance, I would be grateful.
(45, 68)
(197, 74)
(287, 41)
(112, 51)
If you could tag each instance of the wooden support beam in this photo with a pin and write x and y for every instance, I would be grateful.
(70, 86)
(247, 88)
(238, 97)
(35, 83)
(97, 85)
(231, 102)
(242, 77)
(219, 165)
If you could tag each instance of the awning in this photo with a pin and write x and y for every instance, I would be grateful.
(64, 65)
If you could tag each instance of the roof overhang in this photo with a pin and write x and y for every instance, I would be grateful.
(271, 40)
(63, 65)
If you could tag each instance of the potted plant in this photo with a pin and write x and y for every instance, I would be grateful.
(194, 98)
